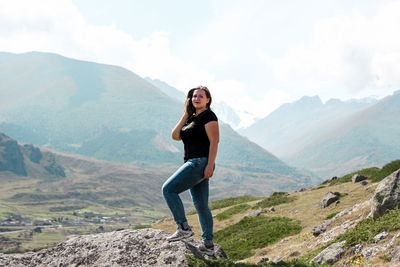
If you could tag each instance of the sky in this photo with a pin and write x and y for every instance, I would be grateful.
(254, 55)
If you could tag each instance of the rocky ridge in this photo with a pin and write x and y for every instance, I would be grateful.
(145, 247)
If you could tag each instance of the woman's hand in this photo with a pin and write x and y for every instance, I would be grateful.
(208, 171)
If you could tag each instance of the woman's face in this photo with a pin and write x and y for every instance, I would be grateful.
(199, 99)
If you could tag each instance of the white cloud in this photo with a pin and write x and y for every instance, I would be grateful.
(350, 54)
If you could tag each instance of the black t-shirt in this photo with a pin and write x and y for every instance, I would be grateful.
(194, 136)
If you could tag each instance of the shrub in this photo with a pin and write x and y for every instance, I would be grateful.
(232, 211)
(239, 239)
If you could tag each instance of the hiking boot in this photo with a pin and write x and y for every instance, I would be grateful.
(207, 248)
(180, 234)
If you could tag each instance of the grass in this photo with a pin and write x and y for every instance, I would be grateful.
(194, 262)
(374, 174)
(275, 199)
(330, 216)
(232, 211)
(250, 233)
(227, 202)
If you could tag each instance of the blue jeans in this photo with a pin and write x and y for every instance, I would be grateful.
(190, 176)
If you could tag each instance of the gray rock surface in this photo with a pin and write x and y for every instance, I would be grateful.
(331, 254)
(145, 247)
(380, 236)
(396, 254)
(387, 195)
(328, 199)
(253, 214)
(358, 178)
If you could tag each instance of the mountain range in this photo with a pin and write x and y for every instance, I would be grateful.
(109, 113)
(333, 138)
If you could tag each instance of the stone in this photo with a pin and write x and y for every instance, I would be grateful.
(317, 230)
(396, 254)
(380, 236)
(364, 183)
(144, 247)
(387, 195)
(328, 199)
(272, 209)
(253, 214)
(358, 178)
(331, 254)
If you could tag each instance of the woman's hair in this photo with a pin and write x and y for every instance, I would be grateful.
(190, 108)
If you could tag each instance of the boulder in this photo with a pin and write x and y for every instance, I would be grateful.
(328, 199)
(253, 214)
(331, 254)
(358, 178)
(380, 236)
(145, 247)
(387, 195)
(364, 183)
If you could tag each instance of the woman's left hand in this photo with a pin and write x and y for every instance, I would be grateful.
(208, 171)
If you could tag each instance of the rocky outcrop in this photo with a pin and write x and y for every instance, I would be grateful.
(358, 178)
(387, 195)
(11, 157)
(328, 199)
(52, 167)
(145, 247)
(33, 153)
(331, 254)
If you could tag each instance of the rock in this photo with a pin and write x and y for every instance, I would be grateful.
(272, 209)
(331, 254)
(145, 247)
(387, 195)
(11, 157)
(302, 190)
(380, 236)
(396, 254)
(317, 230)
(358, 178)
(364, 183)
(253, 214)
(328, 199)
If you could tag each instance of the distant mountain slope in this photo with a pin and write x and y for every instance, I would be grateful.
(110, 113)
(292, 126)
(369, 137)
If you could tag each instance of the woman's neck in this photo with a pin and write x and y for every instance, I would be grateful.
(198, 111)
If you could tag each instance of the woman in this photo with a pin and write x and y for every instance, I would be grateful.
(199, 131)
